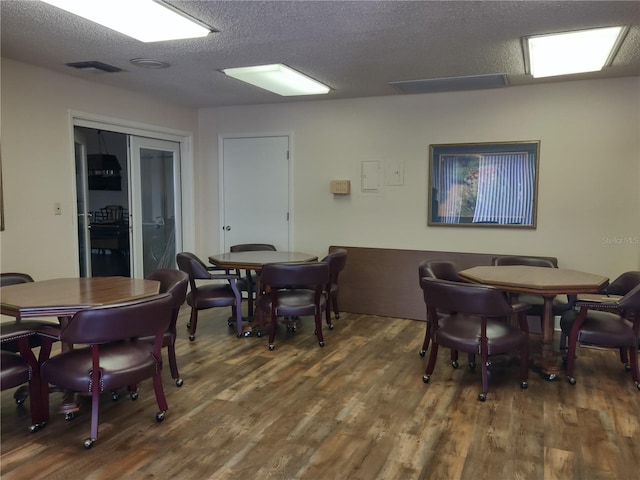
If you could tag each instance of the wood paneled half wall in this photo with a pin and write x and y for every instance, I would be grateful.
(384, 281)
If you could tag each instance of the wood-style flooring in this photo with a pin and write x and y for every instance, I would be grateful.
(355, 409)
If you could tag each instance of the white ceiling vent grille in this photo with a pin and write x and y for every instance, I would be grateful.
(452, 84)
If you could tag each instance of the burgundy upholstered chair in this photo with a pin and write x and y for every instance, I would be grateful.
(247, 283)
(476, 324)
(110, 359)
(175, 283)
(22, 327)
(561, 303)
(203, 296)
(16, 369)
(611, 325)
(443, 270)
(336, 260)
(291, 290)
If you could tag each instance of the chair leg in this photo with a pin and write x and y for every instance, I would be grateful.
(524, 365)
(318, 318)
(239, 320)
(635, 374)
(272, 331)
(454, 358)
(193, 323)
(624, 358)
(334, 303)
(161, 400)
(484, 358)
(173, 363)
(427, 339)
(571, 359)
(432, 363)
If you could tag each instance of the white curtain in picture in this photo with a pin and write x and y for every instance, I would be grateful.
(449, 201)
(505, 189)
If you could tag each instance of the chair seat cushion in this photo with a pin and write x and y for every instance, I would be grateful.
(293, 302)
(214, 295)
(462, 332)
(15, 370)
(10, 331)
(72, 369)
(601, 328)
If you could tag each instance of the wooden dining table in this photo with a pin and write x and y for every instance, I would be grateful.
(255, 260)
(64, 297)
(546, 282)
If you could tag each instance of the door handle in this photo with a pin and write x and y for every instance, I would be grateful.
(227, 228)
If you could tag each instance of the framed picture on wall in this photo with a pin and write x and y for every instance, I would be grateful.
(483, 184)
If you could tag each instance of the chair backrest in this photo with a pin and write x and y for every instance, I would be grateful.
(192, 266)
(522, 260)
(442, 269)
(624, 283)
(336, 260)
(14, 279)
(173, 282)
(109, 323)
(295, 274)
(252, 247)
(629, 307)
(467, 298)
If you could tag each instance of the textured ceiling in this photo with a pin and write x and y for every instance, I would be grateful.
(355, 47)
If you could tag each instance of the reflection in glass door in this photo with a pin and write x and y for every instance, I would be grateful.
(155, 215)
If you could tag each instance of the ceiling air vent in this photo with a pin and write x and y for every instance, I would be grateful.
(94, 66)
(452, 84)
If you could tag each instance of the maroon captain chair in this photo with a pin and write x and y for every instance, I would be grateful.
(336, 260)
(201, 296)
(110, 359)
(247, 283)
(292, 289)
(475, 325)
(610, 325)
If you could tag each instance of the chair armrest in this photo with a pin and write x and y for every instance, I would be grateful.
(520, 306)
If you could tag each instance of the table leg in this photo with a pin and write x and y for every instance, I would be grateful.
(550, 364)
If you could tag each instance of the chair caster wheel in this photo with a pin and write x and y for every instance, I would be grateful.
(179, 382)
(133, 396)
(627, 367)
(159, 416)
(321, 344)
(331, 326)
(246, 334)
(638, 385)
(188, 326)
(115, 397)
(259, 334)
(472, 366)
(337, 316)
(455, 364)
(229, 323)
(550, 377)
(272, 347)
(37, 426)
(572, 381)
(422, 353)
(524, 385)
(426, 378)
(88, 442)
(192, 338)
(482, 397)
(69, 416)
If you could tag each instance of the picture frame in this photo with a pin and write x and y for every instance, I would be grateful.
(491, 185)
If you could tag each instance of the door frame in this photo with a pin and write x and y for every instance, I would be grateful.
(221, 139)
(187, 181)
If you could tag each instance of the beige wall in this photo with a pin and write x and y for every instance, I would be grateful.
(589, 191)
(38, 165)
(589, 194)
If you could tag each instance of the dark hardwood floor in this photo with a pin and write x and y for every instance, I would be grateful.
(355, 409)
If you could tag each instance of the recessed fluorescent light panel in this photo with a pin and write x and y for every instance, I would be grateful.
(278, 78)
(144, 20)
(572, 52)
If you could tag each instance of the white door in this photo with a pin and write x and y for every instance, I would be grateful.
(155, 204)
(255, 191)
